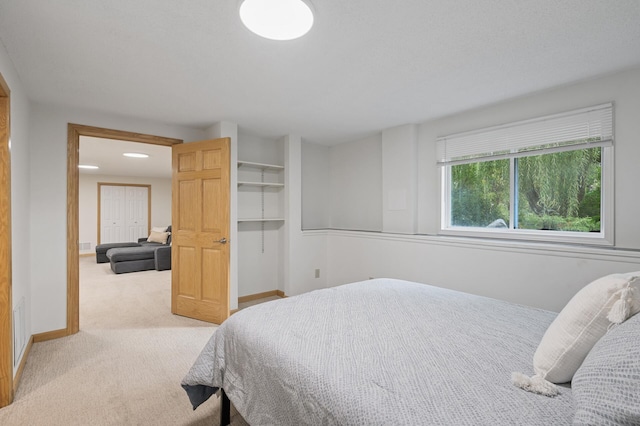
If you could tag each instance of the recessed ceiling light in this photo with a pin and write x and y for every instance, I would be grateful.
(135, 155)
(87, 166)
(277, 19)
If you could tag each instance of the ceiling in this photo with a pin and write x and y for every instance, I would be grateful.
(366, 65)
(107, 155)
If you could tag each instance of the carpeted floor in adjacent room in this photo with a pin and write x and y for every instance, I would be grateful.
(125, 365)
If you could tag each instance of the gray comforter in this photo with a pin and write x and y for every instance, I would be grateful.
(379, 352)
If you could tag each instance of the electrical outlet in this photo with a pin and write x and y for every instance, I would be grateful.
(317, 273)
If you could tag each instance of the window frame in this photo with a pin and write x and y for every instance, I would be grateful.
(603, 238)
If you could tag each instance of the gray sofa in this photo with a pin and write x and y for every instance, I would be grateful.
(133, 257)
(142, 258)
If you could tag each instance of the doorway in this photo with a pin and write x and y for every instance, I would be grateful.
(74, 132)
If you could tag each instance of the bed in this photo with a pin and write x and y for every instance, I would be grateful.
(379, 352)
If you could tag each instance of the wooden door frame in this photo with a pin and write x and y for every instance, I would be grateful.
(139, 185)
(74, 131)
(6, 302)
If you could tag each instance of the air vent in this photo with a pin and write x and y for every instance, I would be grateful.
(19, 330)
(84, 246)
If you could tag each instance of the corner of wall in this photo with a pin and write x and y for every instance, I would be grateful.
(399, 179)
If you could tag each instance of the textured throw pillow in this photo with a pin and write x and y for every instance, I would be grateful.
(582, 322)
(158, 237)
(606, 388)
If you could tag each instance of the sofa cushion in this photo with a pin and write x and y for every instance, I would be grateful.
(132, 266)
(158, 237)
(131, 253)
(101, 250)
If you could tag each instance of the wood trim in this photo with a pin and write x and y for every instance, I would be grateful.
(50, 335)
(99, 132)
(23, 362)
(74, 131)
(140, 185)
(73, 271)
(251, 297)
(257, 296)
(6, 301)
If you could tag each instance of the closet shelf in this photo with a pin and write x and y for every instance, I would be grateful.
(262, 184)
(275, 219)
(260, 165)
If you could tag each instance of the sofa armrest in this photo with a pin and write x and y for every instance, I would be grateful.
(162, 257)
(142, 240)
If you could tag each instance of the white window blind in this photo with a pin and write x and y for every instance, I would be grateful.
(588, 127)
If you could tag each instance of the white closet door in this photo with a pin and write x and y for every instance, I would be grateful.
(112, 209)
(137, 212)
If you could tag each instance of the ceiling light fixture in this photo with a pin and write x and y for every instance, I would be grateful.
(135, 155)
(277, 19)
(87, 166)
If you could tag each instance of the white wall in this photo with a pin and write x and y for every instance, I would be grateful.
(538, 275)
(88, 203)
(355, 170)
(315, 186)
(543, 276)
(48, 190)
(259, 271)
(304, 251)
(258, 149)
(20, 200)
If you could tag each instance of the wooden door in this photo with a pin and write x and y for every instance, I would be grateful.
(200, 228)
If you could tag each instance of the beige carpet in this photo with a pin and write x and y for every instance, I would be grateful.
(125, 365)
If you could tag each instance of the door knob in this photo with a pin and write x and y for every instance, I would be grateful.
(222, 240)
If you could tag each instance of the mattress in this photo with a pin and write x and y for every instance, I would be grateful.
(379, 352)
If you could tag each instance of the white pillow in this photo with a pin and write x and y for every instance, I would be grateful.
(583, 321)
(158, 237)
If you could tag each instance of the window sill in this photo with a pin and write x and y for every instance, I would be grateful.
(562, 237)
(486, 242)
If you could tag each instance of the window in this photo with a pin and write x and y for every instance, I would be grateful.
(548, 178)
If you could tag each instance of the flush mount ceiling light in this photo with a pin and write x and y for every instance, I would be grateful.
(87, 166)
(135, 155)
(277, 19)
